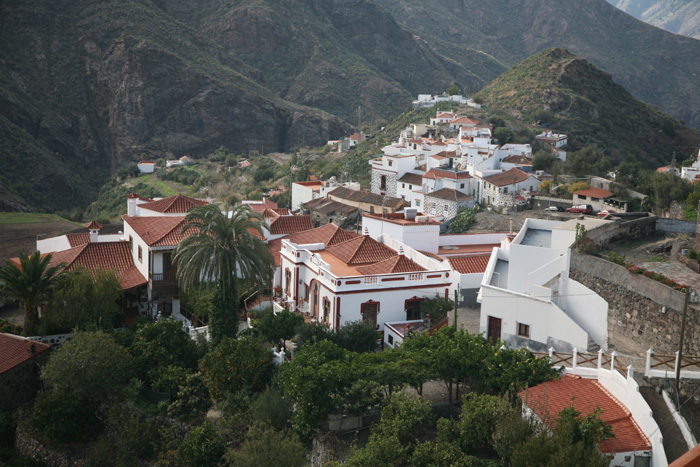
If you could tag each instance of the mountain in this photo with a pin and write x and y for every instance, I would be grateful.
(87, 87)
(678, 16)
(569, 94)
(656, 66)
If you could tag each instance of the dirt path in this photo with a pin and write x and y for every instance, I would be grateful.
(674, 444)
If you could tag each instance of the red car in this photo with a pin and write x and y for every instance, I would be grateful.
(606, 212)
(581, 209)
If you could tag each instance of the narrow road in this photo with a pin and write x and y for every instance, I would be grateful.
(674, 444)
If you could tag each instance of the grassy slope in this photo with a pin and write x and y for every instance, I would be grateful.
(587, 104)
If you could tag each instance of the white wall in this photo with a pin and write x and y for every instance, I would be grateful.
(142, 265)
(50, 245)
(525, 259)
(420, 237)
(588, 309)
(300, 194)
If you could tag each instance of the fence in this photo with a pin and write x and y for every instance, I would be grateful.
(665, 366)
(578, 359)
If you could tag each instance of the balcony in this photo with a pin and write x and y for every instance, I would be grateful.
(168, 277)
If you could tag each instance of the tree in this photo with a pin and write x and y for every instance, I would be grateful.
(266, 447)
(453, 90)
(30, 283)
(465, 218)
(543, 160)
(80, 300)
(574, 187)
(217, 249)
(280, 327)
(91, 366)
(504, 135)
(237, 364)
(357, 336)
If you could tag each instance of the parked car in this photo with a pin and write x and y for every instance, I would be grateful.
(605, 212)
(581, 209)
(554, 208)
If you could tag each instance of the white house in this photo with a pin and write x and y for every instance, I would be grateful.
(442, 118)
(502, 189)
(692, 173)
(303, 192)
(356, 279)
(555, 139)
(527, 298)
(598, 198)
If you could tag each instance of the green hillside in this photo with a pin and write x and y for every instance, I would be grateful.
(568, 94)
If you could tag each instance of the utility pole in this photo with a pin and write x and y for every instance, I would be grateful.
(456, 302)
(680, 343)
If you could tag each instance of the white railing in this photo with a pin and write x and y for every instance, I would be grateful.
(665, 366)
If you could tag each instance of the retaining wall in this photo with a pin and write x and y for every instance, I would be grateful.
(675, 226)
(626, 230)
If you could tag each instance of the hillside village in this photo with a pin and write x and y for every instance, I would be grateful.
(397, 258)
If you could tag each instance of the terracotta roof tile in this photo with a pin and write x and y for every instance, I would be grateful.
(94, 225)
(517, 160)
(290, 224)
(550, 398)
(472, 264)
(449, 194)
(361, 250)
(134, 195)
(464, 121)
(431, 255)
(443, 173)
(178, 204)
(114, 256)
(509, 177)
(413, 179)
(361, 196)
(16, 350)
(328, 206)
(329, 235)
(157, 231)
(77, 239)
(397, 264)
(594, 193)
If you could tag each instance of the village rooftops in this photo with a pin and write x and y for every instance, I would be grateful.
(411, 178)
(314, 185)
(158, 231)
(548, 399)
(522, 160)
(509, 177)
(17, 350)
(470, 264)
(290, 224)
(449, 194)
(447, 173)
(360, 196)
(328, 206)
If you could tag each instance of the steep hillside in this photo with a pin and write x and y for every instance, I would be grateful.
(569, 94)
(654, 65)
(88, 86)
(679, 16)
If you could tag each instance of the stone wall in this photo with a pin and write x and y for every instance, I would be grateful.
(21, 383)
(614, 231)
(32, 448)
(675, 226)
(640, 308)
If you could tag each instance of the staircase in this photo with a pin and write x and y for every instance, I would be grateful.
(592, 346)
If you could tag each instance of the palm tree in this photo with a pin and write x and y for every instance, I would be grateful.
(223, 250)
(30, 283)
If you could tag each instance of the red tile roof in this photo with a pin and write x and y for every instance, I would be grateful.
(329, 235)
(464, 121)
(445, 115)
(361, 250)
(157, 231)
(134, 195)
(94, 225)
(178, 204)
(472, 264)
(114, 256)
(16, 350)
(431, 255)
(413, 179)
(594, 193)
(357, 136)
(448, 194)
(77, 239)
(290, 224)
(397, 264)
(510, 177)
(443, 173)
(517, 160)
(550, 398)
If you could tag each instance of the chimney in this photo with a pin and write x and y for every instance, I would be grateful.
(366, 232)
(131, 204)
(94, 228)
(401, 253)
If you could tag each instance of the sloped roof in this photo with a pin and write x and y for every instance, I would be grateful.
(396, 264)
(431, 255)
(290, 224)
(134, 195)
(94, 225)
(517, 160)
(549, 398)
(157, 231)
(329, 234)
(361, 196)
(77, 239)
(114, 256)
(471, 264)
(413, 179)
(173, 204)
(328, 206)
(464, 121)
(594, 193)
(361, 250)
(446, 173)
(509, 177)
(17, 350)
(449, 194)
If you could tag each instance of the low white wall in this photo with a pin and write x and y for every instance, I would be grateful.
(50, 245)
(589, 310)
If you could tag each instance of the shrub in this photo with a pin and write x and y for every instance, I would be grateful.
(266, 447)
(7, 430)
(191, 399)
(357, 336)
(272, 407)
(61, 418)
(202, 446)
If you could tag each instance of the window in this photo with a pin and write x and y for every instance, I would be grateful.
(410, 187)
(369, 311)
(306, 292)
(461, 185)
(413, 308)
(326, 310)
(505, 190)
(391, 340)
(417, 203)
(131, 243)
(523, 330)
(371, 208)
(391, 162)
(403, 185)
(382, 183)
(140, 255)
(447, 207)
(287, 282)
(594, 199)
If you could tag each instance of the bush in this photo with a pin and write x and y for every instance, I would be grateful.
(357, 336)
(191, 399)
(61, 418)
(273, 408)
(266, 447)
(8, 425)
(202, 446)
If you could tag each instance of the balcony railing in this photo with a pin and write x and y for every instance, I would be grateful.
(165, 276)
